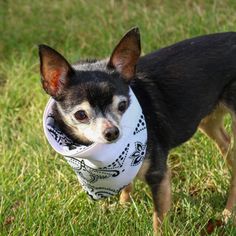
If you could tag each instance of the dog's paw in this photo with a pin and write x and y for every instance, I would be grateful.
(124, 198)
(226, 215)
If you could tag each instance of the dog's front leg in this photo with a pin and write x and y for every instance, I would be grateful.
(125, 194)
(158, 179)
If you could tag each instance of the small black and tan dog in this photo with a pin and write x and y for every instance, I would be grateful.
(189, 85)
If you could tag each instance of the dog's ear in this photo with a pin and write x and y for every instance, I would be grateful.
(55, 71)
(126, 54)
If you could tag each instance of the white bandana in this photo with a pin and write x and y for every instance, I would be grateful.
(103, 169)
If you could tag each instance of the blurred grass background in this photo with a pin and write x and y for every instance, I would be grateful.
(39, 193)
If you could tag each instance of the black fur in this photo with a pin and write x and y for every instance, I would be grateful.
(177, 87)
(184, 83)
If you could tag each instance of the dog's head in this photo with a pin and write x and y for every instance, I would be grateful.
(92, 96)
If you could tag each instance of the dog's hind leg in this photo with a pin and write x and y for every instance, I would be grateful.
(231, 202)
(228, 99)
(213, 127)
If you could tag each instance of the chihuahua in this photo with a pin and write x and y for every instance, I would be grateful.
(182, 87)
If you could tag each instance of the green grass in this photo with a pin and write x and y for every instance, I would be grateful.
(39, 193)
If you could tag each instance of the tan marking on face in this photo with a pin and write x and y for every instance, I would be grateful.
(115, 102)
(93, 130)
(80, 129)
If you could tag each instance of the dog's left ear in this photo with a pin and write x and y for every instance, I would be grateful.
(126, 54)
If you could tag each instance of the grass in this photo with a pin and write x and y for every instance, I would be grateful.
(39, 193)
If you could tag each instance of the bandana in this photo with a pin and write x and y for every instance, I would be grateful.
(103, 169)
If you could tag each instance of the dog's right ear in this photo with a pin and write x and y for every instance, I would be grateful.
(55, 71)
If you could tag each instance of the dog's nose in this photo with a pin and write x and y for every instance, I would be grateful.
(111, 134)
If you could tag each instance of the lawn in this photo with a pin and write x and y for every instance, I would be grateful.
(39, 193)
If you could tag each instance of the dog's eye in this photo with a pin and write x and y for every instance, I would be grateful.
(122, 106)
(81, 115)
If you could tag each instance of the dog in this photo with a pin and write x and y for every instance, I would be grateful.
(182, 87)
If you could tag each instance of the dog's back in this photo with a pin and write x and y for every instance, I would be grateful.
(188, 80)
